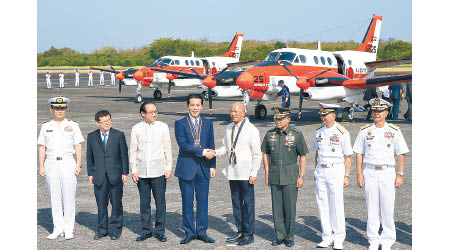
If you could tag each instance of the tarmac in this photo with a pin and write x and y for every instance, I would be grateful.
(125, 113)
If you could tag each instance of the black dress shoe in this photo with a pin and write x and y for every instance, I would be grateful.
(205, 238)
(289, 243)
(277, 242)
(186, 239)
(235, 238)
(161, 237)
(99, 236)
(143, 236)
(246, 240)
(113, 237)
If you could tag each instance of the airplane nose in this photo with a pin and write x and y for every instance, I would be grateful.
(245, 81)
(209, 81)
(120, 76)
(138, 75)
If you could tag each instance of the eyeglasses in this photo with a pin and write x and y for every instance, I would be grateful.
(152, 112)
(59, 108)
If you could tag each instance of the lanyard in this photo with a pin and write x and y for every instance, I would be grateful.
(234, 142)
(195, 133)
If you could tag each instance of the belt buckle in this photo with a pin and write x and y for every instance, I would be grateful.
(58, 158)
(280, 162)
(324, 166)
(379, 167)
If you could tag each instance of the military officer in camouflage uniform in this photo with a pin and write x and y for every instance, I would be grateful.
(281, 147)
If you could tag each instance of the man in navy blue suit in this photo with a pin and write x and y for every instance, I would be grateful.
(107, 165)
(195, 166)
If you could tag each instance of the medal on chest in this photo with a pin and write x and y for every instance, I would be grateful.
(68, 129)
(369, 135)
(289, 140)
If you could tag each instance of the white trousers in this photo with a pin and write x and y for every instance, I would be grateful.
(90, 81)
(62, 185)
(49, 84)
(113, 81)
(102, 81)
(380, 200)
(61, 83)
(330, 201)
(77, 82)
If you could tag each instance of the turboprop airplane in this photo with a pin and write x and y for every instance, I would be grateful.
(316, 74)
(147, 77)
(125, 76)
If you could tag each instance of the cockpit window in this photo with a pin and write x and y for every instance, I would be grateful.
(296, 60)
(286, 56)
(165, 60)
(303, 58)
(271, 57)
(177, 62)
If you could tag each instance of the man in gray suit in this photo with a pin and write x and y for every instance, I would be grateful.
(107, 165)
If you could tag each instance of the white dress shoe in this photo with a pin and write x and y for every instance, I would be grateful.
(338, 245)
(68, 236)
(54, 235)
(324, 244)
(373, 247)
(385, 247)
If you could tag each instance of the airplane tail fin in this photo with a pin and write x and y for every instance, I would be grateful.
(370, 41)
(234, 49)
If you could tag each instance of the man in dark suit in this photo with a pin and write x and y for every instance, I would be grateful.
(195, 165)
(107, 165)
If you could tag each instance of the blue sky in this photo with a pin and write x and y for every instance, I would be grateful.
(88, 25)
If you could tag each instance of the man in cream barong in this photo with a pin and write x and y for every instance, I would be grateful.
(241, 144)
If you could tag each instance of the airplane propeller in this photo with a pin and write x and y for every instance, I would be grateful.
(119, 75)
(300, 102)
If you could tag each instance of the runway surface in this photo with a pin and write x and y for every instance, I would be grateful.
(125, 113)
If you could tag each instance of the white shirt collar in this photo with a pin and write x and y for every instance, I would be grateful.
(107, 133)
(193, 119)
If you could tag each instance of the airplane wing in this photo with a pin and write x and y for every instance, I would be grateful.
(243, 64)
(194, 73)
(364, 83)
(106, 70)
(386, 63)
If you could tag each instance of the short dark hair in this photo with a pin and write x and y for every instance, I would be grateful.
(101, 113)
(142, 108)
(194, 96)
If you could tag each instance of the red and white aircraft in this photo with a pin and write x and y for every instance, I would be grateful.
(313, 74)
(147, 77)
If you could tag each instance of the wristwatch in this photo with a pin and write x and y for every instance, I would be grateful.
(301, 175)
(400, 173)
(346, 175)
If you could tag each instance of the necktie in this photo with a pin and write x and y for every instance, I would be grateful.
(105, 140)
(196, 125)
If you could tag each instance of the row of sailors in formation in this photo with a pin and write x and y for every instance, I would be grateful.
(77, 79)
(283, 151)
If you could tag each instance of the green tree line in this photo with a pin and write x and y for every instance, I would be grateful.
(251, 50)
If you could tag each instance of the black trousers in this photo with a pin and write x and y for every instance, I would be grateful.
(157, 186)
(243, 200)
(104, 193)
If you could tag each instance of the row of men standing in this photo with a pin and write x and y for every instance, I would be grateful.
(77, 79)
(150, 160)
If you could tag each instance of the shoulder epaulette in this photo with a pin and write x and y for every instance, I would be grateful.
(341, 128)
(394, 126)
(295, 129)
(320, 126)
(45, 122)
(365, 126)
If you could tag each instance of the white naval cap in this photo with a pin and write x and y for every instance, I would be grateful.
(327, 108)
(59, 101)
(379, 104)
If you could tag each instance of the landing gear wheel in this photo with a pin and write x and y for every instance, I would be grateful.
(157, 94)
(347, 115)
(260, 112)
(138, 98)
(205, 95)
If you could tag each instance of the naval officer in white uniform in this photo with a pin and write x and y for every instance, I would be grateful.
(58, 140)
(77, 78)
(61, 80)
(375, 147)
(333, 163)
(90, 79)
(47, 77)
(102, 79)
